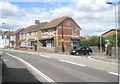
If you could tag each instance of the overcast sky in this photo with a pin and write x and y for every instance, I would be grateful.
(93, 16)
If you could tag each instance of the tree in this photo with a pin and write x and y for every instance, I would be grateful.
(92, 41)
(84, 43)
(112, 39)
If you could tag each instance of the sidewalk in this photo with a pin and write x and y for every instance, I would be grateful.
(101, 56)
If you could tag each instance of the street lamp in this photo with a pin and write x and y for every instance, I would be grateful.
(63, 49)
(100, 41)
(115, 26)
(3, 38)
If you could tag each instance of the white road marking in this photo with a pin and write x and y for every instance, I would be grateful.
(5, 60)
(45, 56)
(103, 61)
(73, 63)
(38, 73)
(113, 73)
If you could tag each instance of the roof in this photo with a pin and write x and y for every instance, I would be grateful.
(111, 30)
(8, 33)
(17, 31)
(55, 22)
(34, 28)
(1, 32)
(37, 27)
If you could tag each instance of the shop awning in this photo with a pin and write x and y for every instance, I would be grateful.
(11, 41)
(30, 40)
(47, 38)
(75, 38)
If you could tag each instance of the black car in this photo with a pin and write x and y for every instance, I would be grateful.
(81, 50)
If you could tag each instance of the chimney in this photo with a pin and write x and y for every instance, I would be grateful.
(37, 22)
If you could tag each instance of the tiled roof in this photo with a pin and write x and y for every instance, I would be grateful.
(8, 33)
(111, 30)
(33, 28)
(55, 22)
(1, 32)
(36, 27)
(17, 31)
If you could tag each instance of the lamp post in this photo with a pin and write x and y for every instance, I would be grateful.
(3, 39)
(9, 37)
(100, 41)
(63, 49)
(115, 26)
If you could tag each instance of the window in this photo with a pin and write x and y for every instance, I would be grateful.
(35, 32)
(30, 33)
(2, 36)
(50, 32)
(74, 32)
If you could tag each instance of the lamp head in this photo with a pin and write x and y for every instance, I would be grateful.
(109, 3)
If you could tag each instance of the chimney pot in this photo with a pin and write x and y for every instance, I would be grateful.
(37, 22)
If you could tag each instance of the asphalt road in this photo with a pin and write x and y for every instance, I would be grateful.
(15, 71)
(57, 70)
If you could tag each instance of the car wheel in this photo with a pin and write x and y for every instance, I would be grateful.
(77, 53)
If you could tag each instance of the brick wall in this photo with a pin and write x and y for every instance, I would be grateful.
(67, 32)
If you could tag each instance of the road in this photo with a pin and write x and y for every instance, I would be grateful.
(50, 69)
(15, 71)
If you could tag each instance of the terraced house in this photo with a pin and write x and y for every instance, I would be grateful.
(60, 31)
(30, 35)
(14, 38)
(5, 39)
(54, 34)
(1, 39)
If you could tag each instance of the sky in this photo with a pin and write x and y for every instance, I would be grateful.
(93, 16)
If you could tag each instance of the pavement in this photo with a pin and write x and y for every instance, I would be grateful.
(103, 57)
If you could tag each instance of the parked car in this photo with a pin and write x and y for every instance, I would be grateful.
(81, 50)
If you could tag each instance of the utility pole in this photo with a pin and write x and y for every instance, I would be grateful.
(100, 41)
(116, 25)
(3, 39)
(63, 49)
(9, 37)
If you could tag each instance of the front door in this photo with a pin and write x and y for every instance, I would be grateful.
(49, 45)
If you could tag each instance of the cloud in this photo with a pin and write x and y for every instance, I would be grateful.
(64, 11)
(91, 15)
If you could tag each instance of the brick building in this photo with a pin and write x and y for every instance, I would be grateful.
(109, 33)
(52, 33)
(30, 35)
(14, 38)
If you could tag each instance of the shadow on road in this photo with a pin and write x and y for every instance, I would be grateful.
(17, 75)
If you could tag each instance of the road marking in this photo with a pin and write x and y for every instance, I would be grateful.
(45, 56)
(5, 60)
(37, 72)
(73, 63)
(113, 73)
(102, 61)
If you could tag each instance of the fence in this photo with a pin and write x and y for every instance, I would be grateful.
(114, 52)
